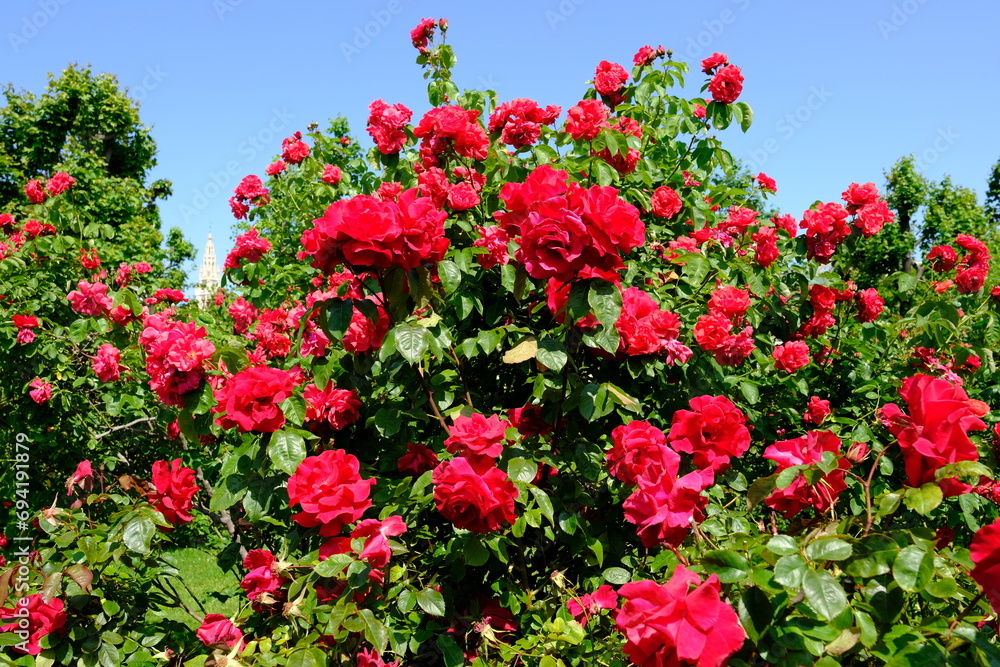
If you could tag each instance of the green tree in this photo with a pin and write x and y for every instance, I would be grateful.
(86, 125)
(951, 210)
(993, 196)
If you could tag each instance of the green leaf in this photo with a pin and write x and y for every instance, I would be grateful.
(551, 354)
(431, 601)
(605, 299)
(334, 565)
(595, 402)
(695, 269)
(544, 503)
(750, 392)
(789, 570)
(824, 594)
(338, 317)
(475, 553)
(729, 566)
(375, 632)
(294, 408)
(286, 450)
(924, 499)
(874, 555)
(755, 611)
(450, 275)
(746, 117)
(913, 569)
(787, 476)
(970, 469)
(617, 576)
(521, 470)
(307, 657)
(137, 534)
(411, 341)
(830, 548)
(453, 655)
(783, 545)
(761, 489)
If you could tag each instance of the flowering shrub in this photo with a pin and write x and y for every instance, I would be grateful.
(509, 390)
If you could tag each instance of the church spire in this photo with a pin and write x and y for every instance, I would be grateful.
(208, 275)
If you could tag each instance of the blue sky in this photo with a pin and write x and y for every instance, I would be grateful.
(840, 90)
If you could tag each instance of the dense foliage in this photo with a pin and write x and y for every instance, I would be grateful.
(518, 386)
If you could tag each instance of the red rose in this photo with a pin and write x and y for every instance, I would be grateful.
(41, 391)
(857, 196)
(766, 246)
(495, 240)
(250, 399)
(985, 553)
(43, 618)
(250, 247)
(376, 534)
(478, 435)
(713, 61)
(89, 259)
(943, 258)
(790, 357)
(174, 487)
(586, 119)
(386, 125)
(462, 197)
(766, 182)
(417, 460)
(666, 202)
(826, 226)
(293, 149)
(713, 431)
(726, 85)
(216, 629)
(452, 128)
(35, 192)
(480, 500)
(816, 411)
(729, 301)
(665, 624)
(663, 507)
(275, 168)
(806, 450)
(872, 217)
(330, 490)
(870, 305)
(529, 421)
(262, 583)
(90, 299)
(646, 55)
(364, 335)
(107, 363)
(935, 433)
(636, 448)
(331, 174)
(423, 33)
(609, 79)
(585, 606)
(337, 408)
(645, 328)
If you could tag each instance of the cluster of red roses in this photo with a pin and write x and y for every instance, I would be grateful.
(972, 269)
(469, 489)
(713, 331)
(364, 231)
(250, 191)
(935, 432)
(59, 183)
(176, 356)
(827, 225)
(249, 247)
(565, 231)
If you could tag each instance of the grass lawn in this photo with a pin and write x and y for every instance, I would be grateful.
(202, 585)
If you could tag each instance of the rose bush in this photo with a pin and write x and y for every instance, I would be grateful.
(509, 390)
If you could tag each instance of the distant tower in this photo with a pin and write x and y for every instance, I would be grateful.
(208, 275)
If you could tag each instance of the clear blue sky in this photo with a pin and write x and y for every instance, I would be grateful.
(840, 90)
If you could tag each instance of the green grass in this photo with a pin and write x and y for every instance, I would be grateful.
(203, 587)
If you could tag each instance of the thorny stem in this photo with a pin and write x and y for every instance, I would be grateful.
(868, 492)
(461, 375)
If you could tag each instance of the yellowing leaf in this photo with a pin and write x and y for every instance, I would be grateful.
(523, 351)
